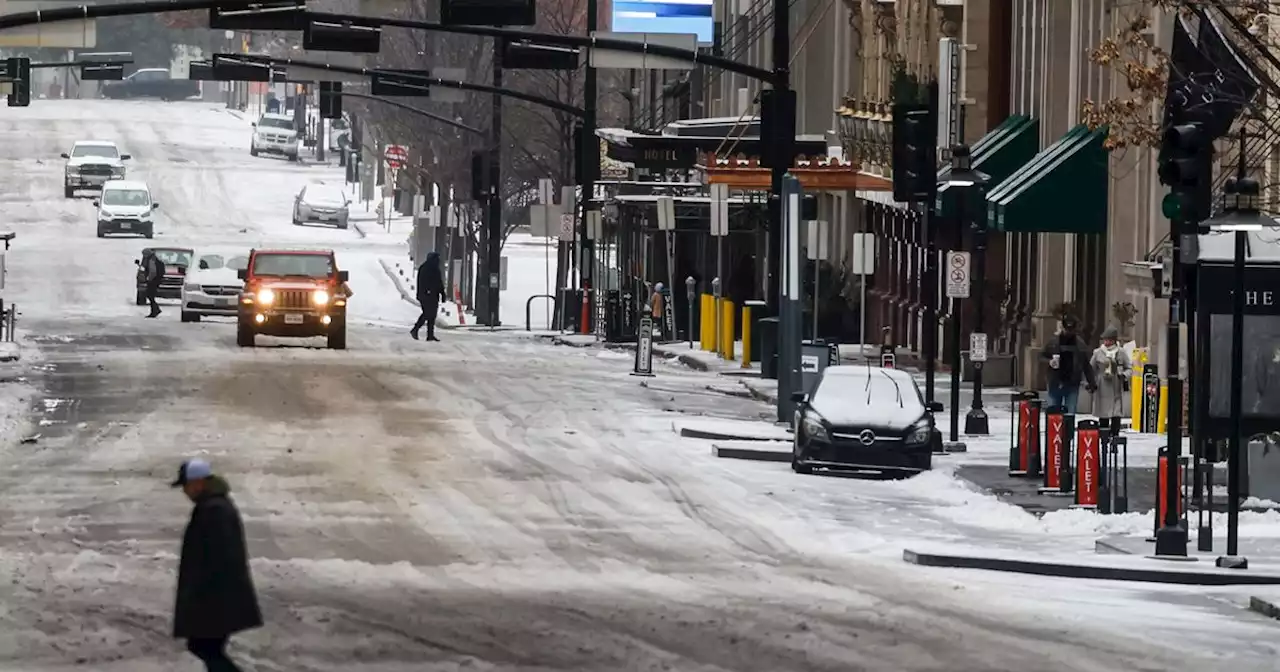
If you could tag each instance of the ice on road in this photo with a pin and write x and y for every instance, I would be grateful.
(484, 502)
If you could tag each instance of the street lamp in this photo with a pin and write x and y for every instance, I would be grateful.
(1241, 217)
(962, 178)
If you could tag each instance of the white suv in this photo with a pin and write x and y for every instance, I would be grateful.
(274, 134)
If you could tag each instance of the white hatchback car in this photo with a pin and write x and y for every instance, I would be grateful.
(213, 285)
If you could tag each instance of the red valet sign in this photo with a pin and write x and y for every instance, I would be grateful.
(1054, 442)
(1088, 459)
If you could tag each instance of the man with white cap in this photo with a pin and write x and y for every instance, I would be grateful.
(216, 598)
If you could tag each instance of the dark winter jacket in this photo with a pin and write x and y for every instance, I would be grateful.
(153, 269)
(1073, 357)
(431, 279)
(216, 597)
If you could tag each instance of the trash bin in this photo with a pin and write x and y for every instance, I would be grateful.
(571, 308)
(614, 316)
(767, 328)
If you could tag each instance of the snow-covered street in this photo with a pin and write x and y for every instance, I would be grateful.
(487, 502)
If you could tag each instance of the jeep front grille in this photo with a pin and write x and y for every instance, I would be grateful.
(293, 299)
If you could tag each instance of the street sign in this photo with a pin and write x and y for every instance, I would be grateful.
(566, 227)
(977, 347)
(957, 275)
(396, 155)
(808, 363)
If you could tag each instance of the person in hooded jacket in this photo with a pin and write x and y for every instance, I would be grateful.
(1068, 358)
(153, 272)
(430, 294)
(216, 597)
(1111, 370)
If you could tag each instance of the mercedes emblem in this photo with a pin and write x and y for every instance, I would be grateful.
(867, 437)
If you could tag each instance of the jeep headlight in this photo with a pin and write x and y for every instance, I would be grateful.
(813, 428)
(919, 434)
(266, 296)
(320, 297)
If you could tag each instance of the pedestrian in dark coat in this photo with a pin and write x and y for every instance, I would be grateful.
(153, 273)
(216, 598)
(1068, 358)
(430, 294)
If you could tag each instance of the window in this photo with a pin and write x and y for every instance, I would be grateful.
(270, 122)
(238, 263)
(126, 197)
(876, 390)
(149, 75)
(305, 265)
(174, 257)
(105, 151)
(210, 261)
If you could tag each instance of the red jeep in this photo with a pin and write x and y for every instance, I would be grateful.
(293, 293)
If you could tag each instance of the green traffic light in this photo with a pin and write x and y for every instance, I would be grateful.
(1171, 206)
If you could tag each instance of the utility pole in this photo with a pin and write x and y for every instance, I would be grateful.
(778, 108)
(590, 162)
(493, 252)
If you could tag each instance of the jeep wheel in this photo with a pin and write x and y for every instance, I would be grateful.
(141, 299)
(338, 335)
(68, 191)
(244, 334)
(190, 317)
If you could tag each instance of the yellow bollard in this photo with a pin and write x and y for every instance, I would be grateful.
(746, 337)
(726, 329)
(708, 317)
(1163, 412)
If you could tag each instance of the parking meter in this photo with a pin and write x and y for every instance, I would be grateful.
(690, 291)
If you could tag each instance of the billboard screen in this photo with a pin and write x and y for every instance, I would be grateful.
(664, 16)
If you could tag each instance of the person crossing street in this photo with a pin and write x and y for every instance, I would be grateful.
(430, 294)
(216, 597)
(153, 269)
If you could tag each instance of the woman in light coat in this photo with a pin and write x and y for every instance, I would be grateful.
(1112, 369)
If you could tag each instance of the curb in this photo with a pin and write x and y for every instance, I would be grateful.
(753, 393)
(1265, 607)
(1069, 571)
(710, 435)
(404, 293)
(752, 454)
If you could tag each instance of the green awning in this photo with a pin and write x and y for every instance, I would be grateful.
(1062, 190)
(999, 153)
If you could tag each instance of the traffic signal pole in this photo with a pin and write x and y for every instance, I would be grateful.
(1182, 168)
(782, 129)
(493, 250)
(590, 147)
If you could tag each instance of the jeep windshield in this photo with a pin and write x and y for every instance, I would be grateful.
(293, 265)
(286, 124)
(102, 151)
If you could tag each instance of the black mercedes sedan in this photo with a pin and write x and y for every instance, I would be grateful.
(864, 418)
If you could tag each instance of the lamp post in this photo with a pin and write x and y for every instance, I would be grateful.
(962, 179)
(1241, 217)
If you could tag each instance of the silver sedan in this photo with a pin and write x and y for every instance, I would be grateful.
(322, 203)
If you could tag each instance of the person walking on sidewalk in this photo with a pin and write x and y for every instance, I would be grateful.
(1068, 360)
(216, 597)
(430, 294)
(1111, 371)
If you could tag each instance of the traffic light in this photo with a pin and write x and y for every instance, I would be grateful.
(915, 153)
(18, 70)
(480, 176)
(331, 100)
(1185, 156)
